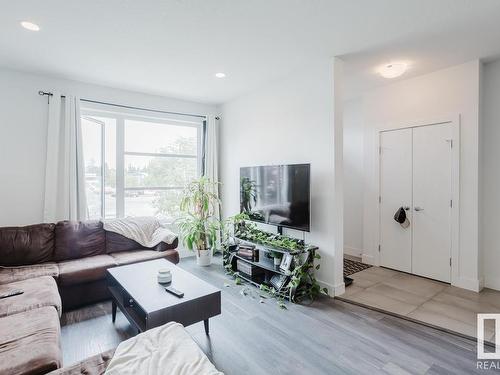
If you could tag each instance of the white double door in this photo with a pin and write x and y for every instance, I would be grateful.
(416, 173)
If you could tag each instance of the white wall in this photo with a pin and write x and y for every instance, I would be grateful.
(23, 132)
(490, 175)
(353, 177)
(444, 93)
(290, 121)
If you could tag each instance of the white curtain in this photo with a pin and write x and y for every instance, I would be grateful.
(64, 172)
(212, 152)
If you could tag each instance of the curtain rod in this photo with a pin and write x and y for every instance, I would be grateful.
(49, 94)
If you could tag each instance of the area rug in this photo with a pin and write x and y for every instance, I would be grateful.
(351, 266)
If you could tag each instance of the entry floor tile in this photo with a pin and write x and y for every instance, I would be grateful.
(382, 301)
(417, 285)
(423, 300)
(397, 294)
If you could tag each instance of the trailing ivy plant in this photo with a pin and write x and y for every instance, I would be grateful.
(249, 232)
(302, 285)
(272, 292)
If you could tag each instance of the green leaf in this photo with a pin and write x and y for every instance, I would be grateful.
(189, 242)
(264, 287)
(281, 305)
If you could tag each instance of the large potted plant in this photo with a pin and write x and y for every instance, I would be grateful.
(199, 225)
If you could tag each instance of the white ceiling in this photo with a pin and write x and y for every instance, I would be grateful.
(174, 47)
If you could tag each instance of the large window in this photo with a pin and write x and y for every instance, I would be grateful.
(137, 165)
(92, 133)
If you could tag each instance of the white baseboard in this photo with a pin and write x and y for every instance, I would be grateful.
(352, 251)
(330, 287)
(339, 289)
(492, 283)
(333, 290)
(368, 259)
(470, 284)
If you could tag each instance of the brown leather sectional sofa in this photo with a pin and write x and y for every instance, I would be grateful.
(59, 267)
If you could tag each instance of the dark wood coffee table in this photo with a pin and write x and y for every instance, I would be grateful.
(146, 304)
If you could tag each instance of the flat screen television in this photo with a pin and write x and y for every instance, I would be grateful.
(277, 195)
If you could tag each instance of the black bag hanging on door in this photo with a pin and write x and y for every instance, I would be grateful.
(400, 217)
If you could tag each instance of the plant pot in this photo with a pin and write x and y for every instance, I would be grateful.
(277, 261)
(203, 257)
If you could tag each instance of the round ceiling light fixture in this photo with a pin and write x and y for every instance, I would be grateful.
(220, 75)
(30, 26)
(393, 69)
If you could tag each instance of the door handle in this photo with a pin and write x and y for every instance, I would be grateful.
(417, 208)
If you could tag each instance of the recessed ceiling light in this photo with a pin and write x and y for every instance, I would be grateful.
(393, 70)
(220, 75)
(30, 26)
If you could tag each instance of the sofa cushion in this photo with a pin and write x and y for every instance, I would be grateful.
(38, 292)
(95, 365)
(29, 343)
(79, 239)
(12, 274)
(134, 256)
(26, 245)
(78, 271)
(117, 242)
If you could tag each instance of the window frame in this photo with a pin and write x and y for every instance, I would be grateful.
(102, 125)
(121, 118)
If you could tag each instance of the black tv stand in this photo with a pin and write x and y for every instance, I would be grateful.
(303, 257)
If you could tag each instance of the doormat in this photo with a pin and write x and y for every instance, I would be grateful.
(351, 266)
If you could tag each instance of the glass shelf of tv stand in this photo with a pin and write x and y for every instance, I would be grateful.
(279, 293)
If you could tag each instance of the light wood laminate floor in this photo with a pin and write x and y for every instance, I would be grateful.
(427, 301)
(250, 337)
